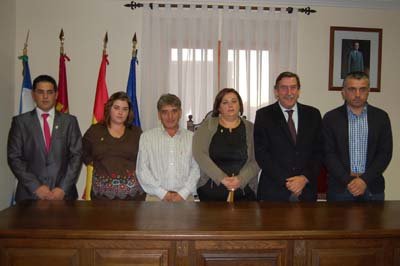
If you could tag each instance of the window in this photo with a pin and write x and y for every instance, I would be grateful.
(192, 76)
(193, 52)
(247, 72)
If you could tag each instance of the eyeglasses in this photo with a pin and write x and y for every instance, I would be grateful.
(43, 92)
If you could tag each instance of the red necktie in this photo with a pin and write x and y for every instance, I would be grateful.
(291, 126)
(46, 130)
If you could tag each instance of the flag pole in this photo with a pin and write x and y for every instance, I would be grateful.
(131, 86)
(105, 41)
(98, 110)
(24, 56)
(62, 98)
(25, 101)
(134, 43)
(25, 50)
(61, 37)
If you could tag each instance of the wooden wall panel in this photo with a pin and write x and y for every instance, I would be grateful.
(237, 253)
(346, 252)
(128, 257)
(41, 256)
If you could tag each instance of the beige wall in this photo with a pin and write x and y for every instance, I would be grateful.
(7, 85)
(85, 23)
(313, 68)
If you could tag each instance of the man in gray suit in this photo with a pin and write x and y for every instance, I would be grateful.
(355, 60)
(44, 148)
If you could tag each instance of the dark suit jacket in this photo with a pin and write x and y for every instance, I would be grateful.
(30, 163)
(337, 154)
(278, 156)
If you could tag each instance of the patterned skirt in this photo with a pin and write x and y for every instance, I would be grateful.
(117, 187)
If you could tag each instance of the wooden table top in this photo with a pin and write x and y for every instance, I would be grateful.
(189, 220)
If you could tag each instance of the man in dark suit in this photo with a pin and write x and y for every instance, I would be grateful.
(288, 148)
(44, 148)
(358, 144)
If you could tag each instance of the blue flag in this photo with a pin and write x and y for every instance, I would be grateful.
(131, 91)
(26, 102)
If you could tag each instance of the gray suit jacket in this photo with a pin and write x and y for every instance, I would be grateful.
(30, 163)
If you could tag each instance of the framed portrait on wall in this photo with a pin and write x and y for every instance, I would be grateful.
(355, 49)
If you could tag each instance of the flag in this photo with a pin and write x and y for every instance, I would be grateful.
(131, 91)
(101, 92)
(62, 99)
(26, 102)
(98, 115)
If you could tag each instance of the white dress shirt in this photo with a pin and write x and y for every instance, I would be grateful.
(166, 163)
(50, 119)
(295, 115)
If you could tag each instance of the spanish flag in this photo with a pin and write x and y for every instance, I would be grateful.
(98, 115)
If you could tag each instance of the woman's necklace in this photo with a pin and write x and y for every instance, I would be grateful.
(229, 125)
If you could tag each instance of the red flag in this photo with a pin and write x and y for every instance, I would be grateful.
(98, 115)
(62, 99)
(101, 92)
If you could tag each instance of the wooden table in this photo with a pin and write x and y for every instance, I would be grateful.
(155, 233)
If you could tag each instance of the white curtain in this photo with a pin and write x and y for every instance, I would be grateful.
(179, 54)
(257, 45)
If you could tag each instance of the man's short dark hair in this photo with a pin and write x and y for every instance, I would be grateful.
(287, 74)
(356, 75)
(168, 99)
(44, 78)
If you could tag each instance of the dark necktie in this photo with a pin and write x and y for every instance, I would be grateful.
(291, 126)
(46, 130)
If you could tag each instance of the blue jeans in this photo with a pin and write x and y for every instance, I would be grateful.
(347, 196)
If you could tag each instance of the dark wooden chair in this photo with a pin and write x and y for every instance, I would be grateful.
(190, 125)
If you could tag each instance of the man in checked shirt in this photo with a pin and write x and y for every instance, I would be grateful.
(357, 144)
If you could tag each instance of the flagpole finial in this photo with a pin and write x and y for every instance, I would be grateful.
(105, 41)
(61, 37)
(25, 50)
(134, 42)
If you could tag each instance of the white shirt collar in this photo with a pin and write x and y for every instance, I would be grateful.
(51, 112)
(294, 108)
(165, 131)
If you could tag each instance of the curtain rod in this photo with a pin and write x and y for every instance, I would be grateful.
(307, 10)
